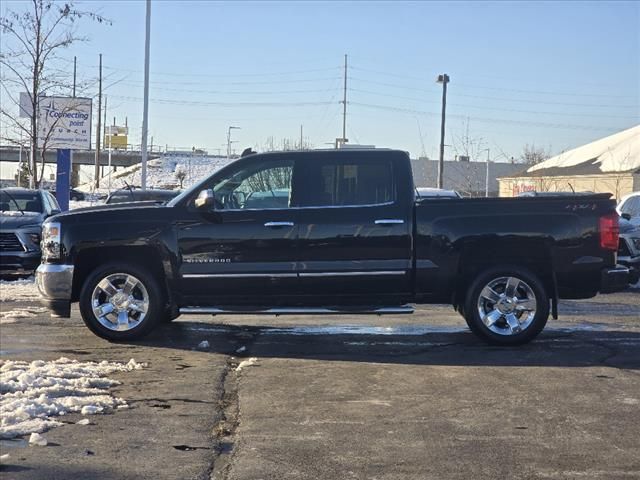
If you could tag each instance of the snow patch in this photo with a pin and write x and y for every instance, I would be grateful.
(37, 440)
(18, 213)
(246, 363)
(33, 393)
(161, 172)
(12, 315)
(619, 152)
(84, 421)
(21, 290)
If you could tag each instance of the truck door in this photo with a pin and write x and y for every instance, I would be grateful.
(354, 228)
(244, 249)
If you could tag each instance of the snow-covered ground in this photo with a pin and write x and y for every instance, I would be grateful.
(162, 172)
(22, 290)
(33, 394)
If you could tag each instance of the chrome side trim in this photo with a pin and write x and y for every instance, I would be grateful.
(352, 274)
(401, 309)
(239, 275)
(279, 224)
(389, 221)
(55, 281)
(385, 204)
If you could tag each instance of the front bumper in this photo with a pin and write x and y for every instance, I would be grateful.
(55, 283)
(18, 263)
(614, 279)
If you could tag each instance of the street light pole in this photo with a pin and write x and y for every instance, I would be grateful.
(443, 79)
(145, 110)
(229, 140)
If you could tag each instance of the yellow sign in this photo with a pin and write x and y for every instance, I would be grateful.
(116, 141)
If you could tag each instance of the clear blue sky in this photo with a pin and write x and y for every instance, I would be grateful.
(553, 74)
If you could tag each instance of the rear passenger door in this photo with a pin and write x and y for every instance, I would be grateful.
(354, 229)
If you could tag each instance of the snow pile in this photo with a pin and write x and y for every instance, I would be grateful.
(161, 172)
(32, 393)
(18, 213)
(22, 290)
(619, 152)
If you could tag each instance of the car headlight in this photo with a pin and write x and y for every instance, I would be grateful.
(636, 243)
(50, 245)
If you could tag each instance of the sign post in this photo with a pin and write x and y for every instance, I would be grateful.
(63, 175)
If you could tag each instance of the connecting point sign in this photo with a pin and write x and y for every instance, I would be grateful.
(64, 123)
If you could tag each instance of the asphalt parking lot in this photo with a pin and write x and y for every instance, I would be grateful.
(362, 397)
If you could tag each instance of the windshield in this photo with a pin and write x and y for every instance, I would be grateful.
(631, 207)
(20, 201)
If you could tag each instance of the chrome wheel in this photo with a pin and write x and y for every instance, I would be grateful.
(507, 305)
(120, 302)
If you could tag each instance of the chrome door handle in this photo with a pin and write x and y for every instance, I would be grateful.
(389, 221)
(278, 224)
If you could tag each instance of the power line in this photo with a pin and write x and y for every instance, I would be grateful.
(431, 92)
(461, 105)
(484, 119)
(221, 104)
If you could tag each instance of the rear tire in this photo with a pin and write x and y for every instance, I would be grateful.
(507, 305)
(121, 302)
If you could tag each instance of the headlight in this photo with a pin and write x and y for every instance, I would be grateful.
(50, 245)
(636, 243)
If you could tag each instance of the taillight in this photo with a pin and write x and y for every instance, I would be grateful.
(609, 231)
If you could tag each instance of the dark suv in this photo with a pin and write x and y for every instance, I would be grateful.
(22, 212)
(136, 195)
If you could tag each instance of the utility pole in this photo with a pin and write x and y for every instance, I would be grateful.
(443, 79)
(486, 183)
(74, 76)
(145, 113)
(96, 172)
(344, 104)
(104, 130)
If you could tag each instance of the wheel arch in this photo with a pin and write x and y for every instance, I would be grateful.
(147, 256)
(532, 254)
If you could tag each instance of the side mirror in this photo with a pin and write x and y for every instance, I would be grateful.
(626, 216)
(205, 199)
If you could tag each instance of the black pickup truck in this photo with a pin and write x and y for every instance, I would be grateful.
(335, 231)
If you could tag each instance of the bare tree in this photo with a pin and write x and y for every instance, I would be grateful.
(181, 174)
(532, 155)
(468, 146)
(32, 40)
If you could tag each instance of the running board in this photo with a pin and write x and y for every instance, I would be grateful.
(298, 310)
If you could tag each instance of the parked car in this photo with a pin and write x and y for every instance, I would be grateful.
(349, 236)
(629, 207)
(22, 212)
(629, 248)
(74, 194)
(136, 195)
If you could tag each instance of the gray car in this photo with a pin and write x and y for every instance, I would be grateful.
(22, 212)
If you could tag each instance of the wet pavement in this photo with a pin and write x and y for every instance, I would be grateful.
(394, 397)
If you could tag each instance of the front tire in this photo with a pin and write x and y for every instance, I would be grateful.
(507, 305)
(121, 302)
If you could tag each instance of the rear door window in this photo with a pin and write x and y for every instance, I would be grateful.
(351, 183)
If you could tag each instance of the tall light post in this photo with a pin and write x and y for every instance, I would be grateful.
(145, 108)
(443, 79)
(486, 175)
(229, 140)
